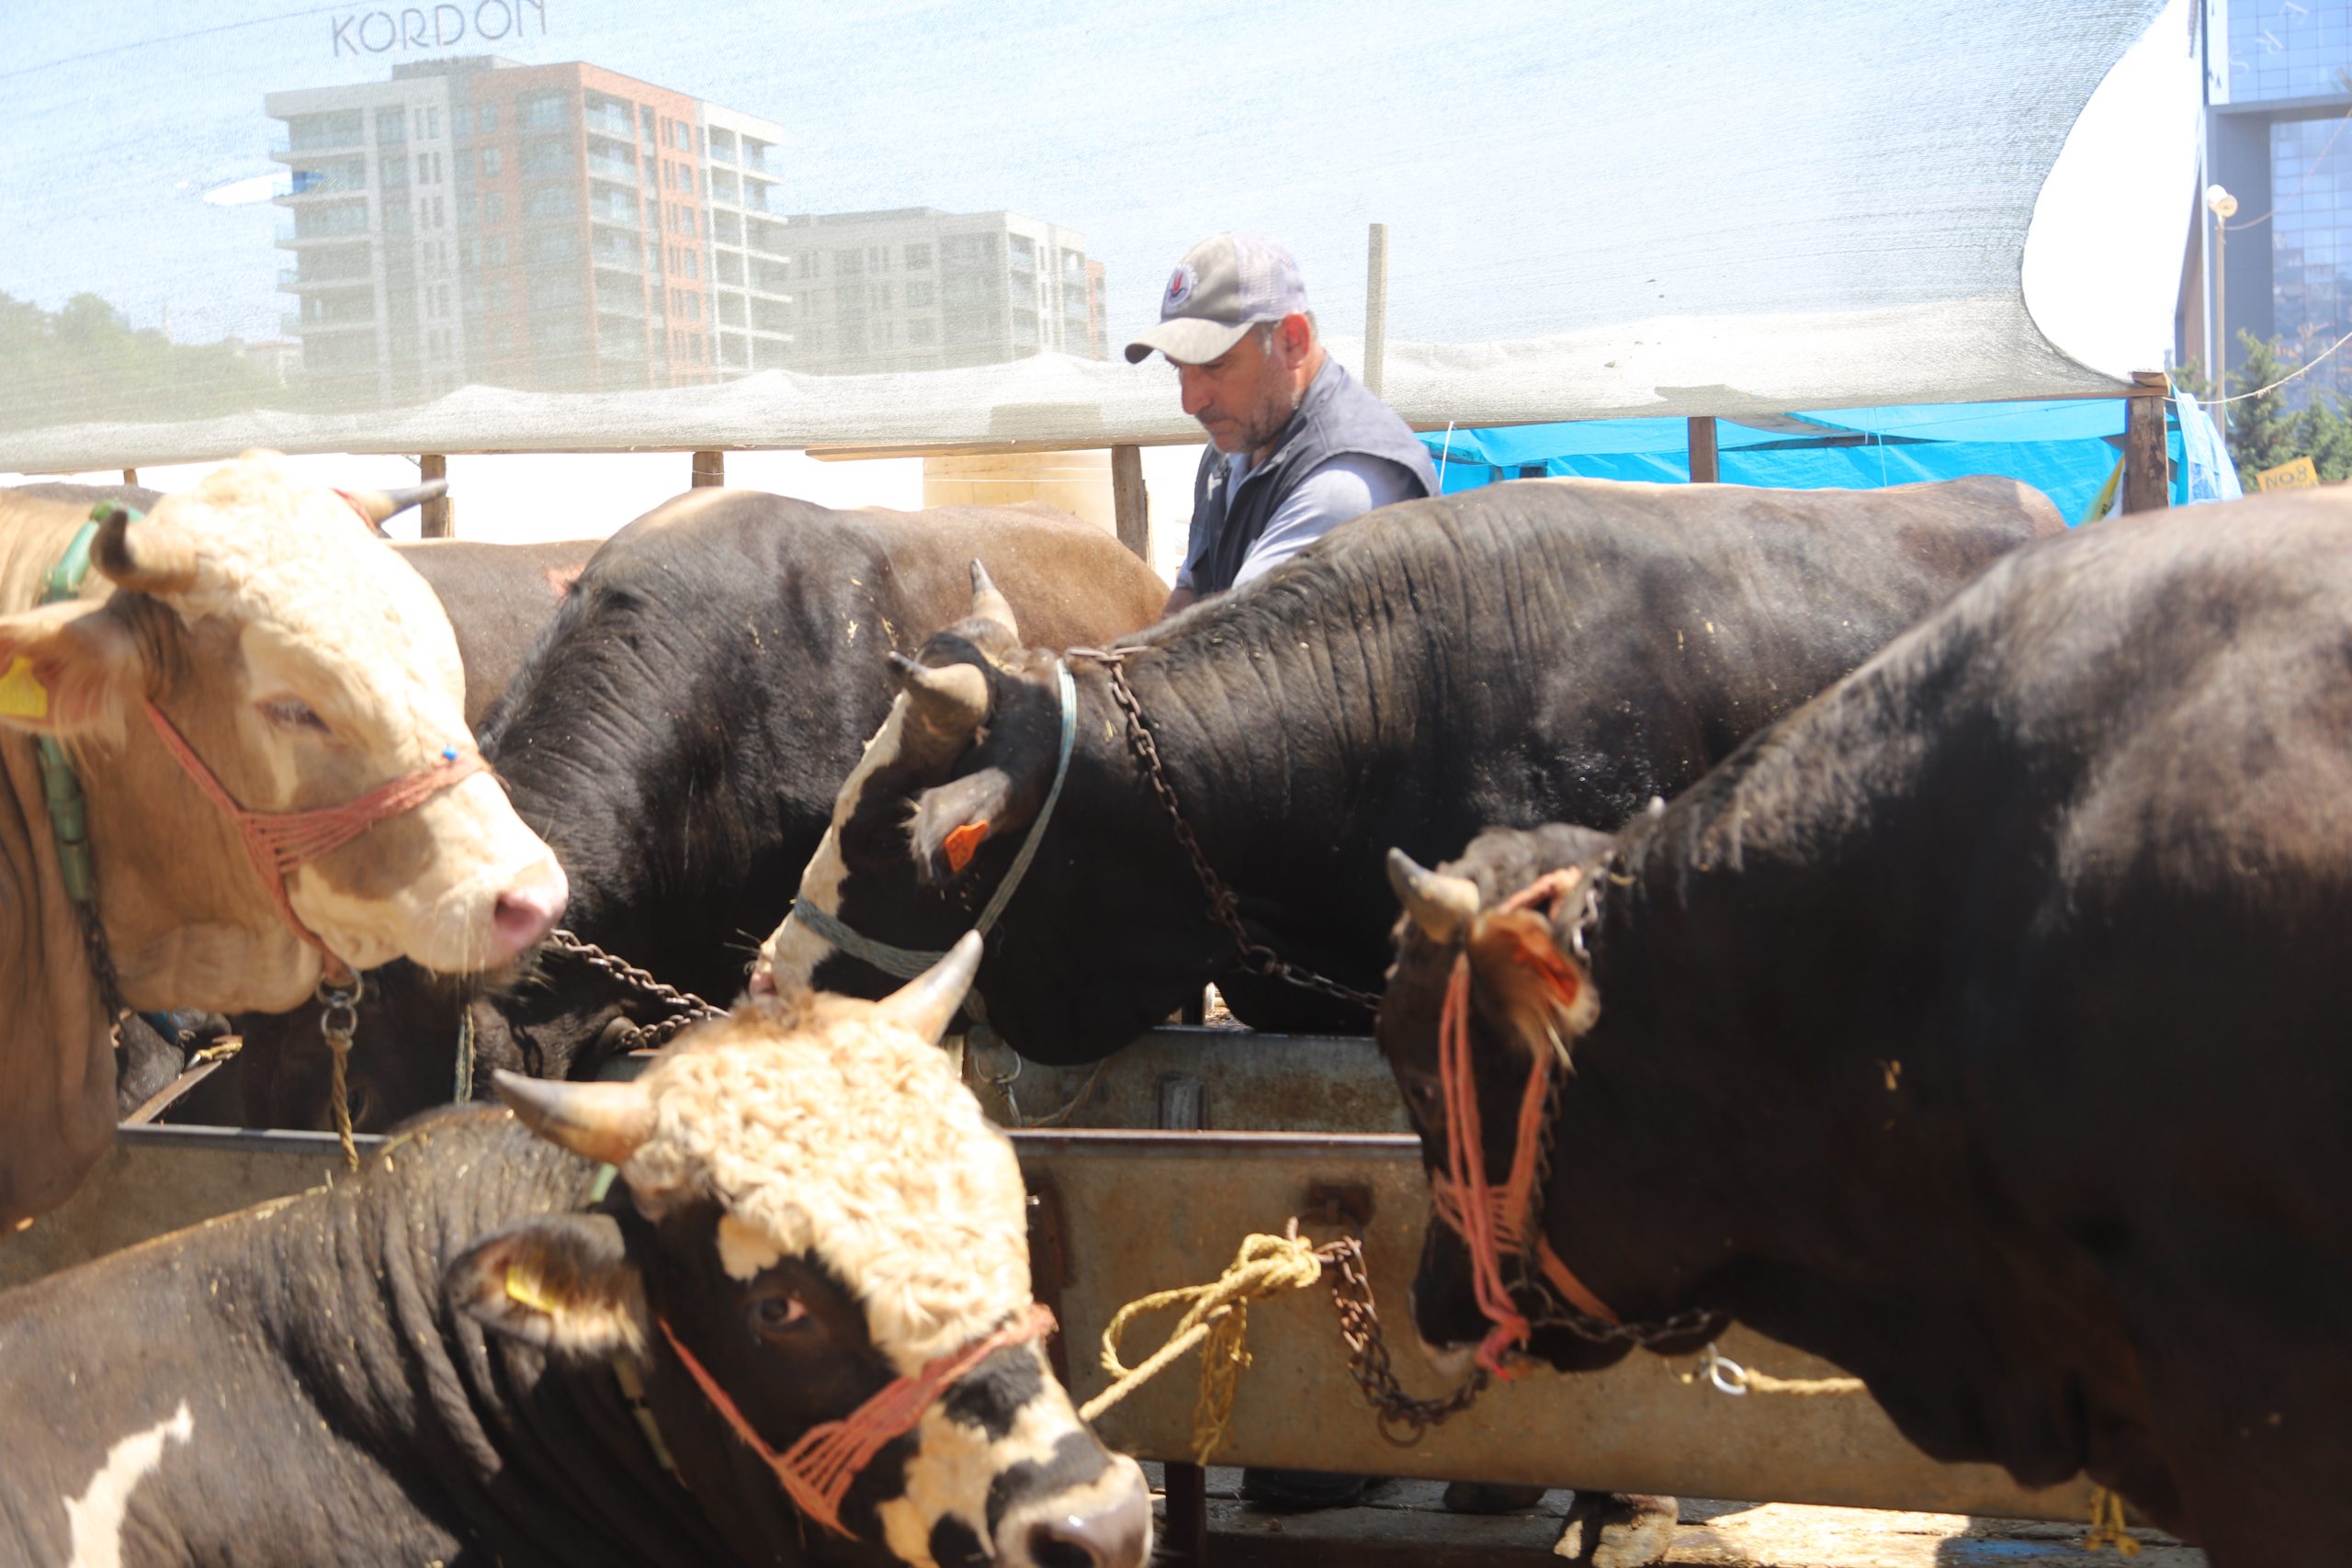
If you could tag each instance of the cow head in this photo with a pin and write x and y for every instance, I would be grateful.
(811, 1207)
(1528, 997)
(305, 664)
(963, 761)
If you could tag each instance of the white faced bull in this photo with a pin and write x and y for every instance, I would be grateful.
(817, 1250)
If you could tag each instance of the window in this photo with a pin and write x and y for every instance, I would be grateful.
(849, 263)
(468, 254)
(547, 157)
(686, 220)
(461, 120)
(425, 168)
(494, 161)
(918, 257)
(923, 331)
(919, 296)
(493, 250)
(493, 208)
(652, 212)
(440, 214)
(541, 111)
(731, 310)
(693, 267)
(727, 268)
(722, 145)
(555, 245)
(391, 126)
(727, 227)
(682, 136)
(488, 114)
(552, 201)
(429, 124)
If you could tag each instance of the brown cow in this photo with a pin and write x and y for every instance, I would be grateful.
(256, 616)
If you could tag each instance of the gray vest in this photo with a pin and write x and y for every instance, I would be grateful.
(1338, 415)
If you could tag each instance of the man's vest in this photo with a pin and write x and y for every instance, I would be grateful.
(1338, 415)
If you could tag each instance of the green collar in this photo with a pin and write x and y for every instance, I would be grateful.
(60, 787)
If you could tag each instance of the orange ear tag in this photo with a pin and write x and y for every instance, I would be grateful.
(963, 843)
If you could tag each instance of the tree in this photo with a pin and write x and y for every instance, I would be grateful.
(83, 364)
(2264, 432)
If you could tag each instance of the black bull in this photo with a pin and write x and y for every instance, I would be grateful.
(1532, 651)
(1979, 1028)
(677, 736)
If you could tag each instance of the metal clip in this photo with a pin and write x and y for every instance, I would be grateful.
(1728, 1375)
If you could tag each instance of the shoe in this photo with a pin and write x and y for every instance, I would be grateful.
(1302, 1489)
(1486, 1498)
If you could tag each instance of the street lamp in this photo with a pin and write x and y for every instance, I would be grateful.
(2224, 207)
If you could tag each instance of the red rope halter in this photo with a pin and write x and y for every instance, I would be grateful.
(1487, 1218)
(277, 842)
(818, 1471)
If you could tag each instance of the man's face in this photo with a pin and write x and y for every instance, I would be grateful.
(1244, 396)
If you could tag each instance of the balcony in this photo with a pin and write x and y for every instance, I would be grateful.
(294, 325)
(756, 157)
(292, 235)
(618, 167)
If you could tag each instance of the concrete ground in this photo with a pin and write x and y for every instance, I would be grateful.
(1400, 1525)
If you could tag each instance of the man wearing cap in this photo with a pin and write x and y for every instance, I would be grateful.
(1296, 445)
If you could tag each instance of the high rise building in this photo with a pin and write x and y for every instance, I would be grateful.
(550, 226)
(917, 288)
(567, 227)
(2278, 92)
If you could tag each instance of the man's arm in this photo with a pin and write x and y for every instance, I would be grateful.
(1180, 597)
(1339, 488)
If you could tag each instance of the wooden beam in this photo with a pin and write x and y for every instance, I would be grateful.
(709, 471)
(1375, 309)
(1704, 470)
(1130, 503)
(435, 520)
(2147, 472)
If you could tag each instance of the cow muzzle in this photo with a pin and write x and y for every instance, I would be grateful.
(1103, 1524)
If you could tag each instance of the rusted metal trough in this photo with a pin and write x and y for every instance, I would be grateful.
(1121, 1210)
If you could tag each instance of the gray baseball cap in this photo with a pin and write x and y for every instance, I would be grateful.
(1224, 284)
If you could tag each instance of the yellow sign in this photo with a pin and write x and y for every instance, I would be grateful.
(2297, 475)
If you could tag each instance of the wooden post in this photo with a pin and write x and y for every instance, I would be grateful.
(434, 519)
(1375, 309)
(1704, 470)
(2147, 472)
(1188, 1514)
(1130, 505)
(710, 469)
(131, 476)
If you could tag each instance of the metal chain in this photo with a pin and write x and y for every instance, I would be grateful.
(1402, 1419)
(687, 1006)
(1257, 958)
(94, 941)
(339, 1022)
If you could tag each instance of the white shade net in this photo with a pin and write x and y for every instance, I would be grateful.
(515, 225)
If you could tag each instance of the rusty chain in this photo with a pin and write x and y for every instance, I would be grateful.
(1257, 958)
(1402, 1419)
(686, 1006)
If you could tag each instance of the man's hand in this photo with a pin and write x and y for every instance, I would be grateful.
(1181, 599)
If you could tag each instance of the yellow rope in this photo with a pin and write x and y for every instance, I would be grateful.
(1731, 1377)
(2107, 1524)
(1266, 1266)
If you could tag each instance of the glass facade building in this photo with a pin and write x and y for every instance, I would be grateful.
(2278, 138)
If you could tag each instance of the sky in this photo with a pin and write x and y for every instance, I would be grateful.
(1512, 147)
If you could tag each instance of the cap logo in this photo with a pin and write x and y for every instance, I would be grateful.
(1179, 287)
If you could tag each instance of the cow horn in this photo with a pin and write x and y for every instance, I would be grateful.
(950, 700)
(926, 1003)
(1442, 906)
(989, 604)
(379, 506)
(160, 560)
(604, 1121)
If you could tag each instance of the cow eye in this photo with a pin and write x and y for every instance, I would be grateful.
(1422, 1096)
(779, 1315)
(292, 713)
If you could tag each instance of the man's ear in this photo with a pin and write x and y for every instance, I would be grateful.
(563, 1282)
(953, 821)
(68, 669)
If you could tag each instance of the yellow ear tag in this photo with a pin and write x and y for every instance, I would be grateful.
(21, 694)
(524, 1287)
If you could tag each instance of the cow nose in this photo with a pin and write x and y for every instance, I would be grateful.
(1113, 1529)
(526, 912)
(763, 981)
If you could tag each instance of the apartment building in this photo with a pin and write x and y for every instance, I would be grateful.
(545, 227)
(917, 288)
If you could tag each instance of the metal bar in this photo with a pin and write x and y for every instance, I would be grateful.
(1130, 503)
(1187, 1488)
(1704, 470)
(709, 471)
(2147, 474)
(1139, 1211)
(436, 519)
(1375, 309)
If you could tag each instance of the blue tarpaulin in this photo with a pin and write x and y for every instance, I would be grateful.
(2066, 449)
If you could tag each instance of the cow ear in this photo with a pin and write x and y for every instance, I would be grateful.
(953, 821)
(1542, 996)
(563, 1282)
(68, 669)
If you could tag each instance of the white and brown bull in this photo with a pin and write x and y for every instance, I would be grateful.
(246, 653)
